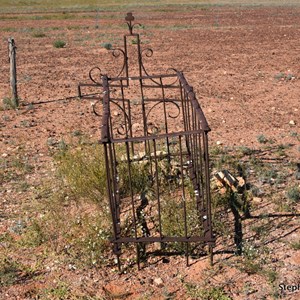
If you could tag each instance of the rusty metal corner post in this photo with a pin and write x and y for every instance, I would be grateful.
(13, 71)
(155, 139)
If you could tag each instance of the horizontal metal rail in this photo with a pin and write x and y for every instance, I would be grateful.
(163, 239)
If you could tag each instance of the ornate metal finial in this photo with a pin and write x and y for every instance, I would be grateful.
(129, 18)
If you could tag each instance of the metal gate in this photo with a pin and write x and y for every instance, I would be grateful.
(155, 139)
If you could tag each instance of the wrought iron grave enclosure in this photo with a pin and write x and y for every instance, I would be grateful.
(155, 139)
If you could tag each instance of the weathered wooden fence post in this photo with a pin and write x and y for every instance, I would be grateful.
(13, 71)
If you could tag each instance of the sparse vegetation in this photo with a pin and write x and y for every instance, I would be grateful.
(83, 171)
(38, 34)
(107, 46)
(293, 194)
(295, 245)
(213, 293)
(59, 44)
(284, 76)
(9, 103)
(262, 139)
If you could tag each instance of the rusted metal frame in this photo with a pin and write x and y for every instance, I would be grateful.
(105, 136)
(139, 55)
(112, 204)
(192, 97)
(161, 100)
(115, 192)
(124, 111)
(145, 126)
(163, 239)
(207, 176)
(198, 166)
(184, 202)
(185, 116)
(151, 137)
(130, 126)
(165, 117)
(160, 157)
(127, 115)
(191, 151)
(201, 205)
(205, 187)
(113, 167)
(194, 158)
(132, 202)
(157, 189)
(200, 169)
(88, 96)
(111, 163)
(144, 78)
(139, 52)
(111, 128)
(209, 235)
(194, 139)
(183, 106)
(190, 94)
(195, 131)
(126, 60)
(146, 99)
(166, 86)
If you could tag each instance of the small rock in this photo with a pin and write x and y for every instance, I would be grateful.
(292, 122)
(158, 282)
(219, 143)
(256, 199)
(71, 267)
(135, 126)
(4, 155)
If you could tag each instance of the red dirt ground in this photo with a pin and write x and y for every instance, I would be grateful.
(243, 63)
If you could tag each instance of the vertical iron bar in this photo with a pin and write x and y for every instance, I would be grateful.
(126, 60)
(132, 200)
(207, 180)
(115, 192)
(183, 104)
(111, 205)
(201, 171)
(184, 203)
(157, 189)
(124, 109)
(165, 116)
(147, 149)
(139, 54)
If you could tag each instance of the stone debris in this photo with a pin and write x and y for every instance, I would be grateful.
(158, 282)
(226, 179)
(292, 122)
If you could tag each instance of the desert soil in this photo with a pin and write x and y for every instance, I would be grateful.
(243, 63)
